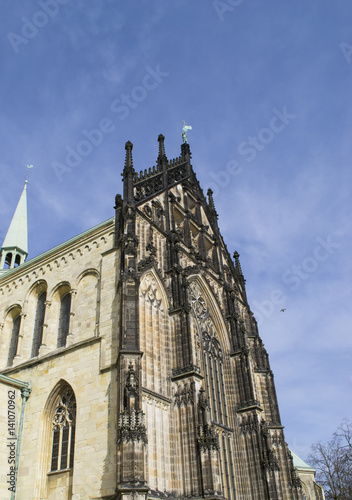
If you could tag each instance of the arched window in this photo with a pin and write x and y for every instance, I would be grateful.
(212, 362)
(8, 260)
(213, 368)
(64, 320)
(14, 339)
(38, 324)
(64, 420)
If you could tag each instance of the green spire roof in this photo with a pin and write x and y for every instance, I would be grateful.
(16, 236)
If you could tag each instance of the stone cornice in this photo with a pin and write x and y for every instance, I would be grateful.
(52, 255)
(52, 354)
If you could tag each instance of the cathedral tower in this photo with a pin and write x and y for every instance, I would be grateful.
(204, 419)
(149, 378)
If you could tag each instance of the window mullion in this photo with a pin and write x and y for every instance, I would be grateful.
(59, 453)
(69, 446)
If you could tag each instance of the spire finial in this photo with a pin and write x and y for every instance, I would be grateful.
(29, 171)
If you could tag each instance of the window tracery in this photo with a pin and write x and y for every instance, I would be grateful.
(213, 370)
(63, 423)
(211, 344)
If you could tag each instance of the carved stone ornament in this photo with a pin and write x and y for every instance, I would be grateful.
(130, 244)
(129, 211)
(148, 188)
(151, 248)
(149, 290)
(132, 427)
(184, 395)
(249, 425)
(198, 303)
(177, 174)
(65, 413)
(203, 404)
(210, 342)
(296, 482)
(131, 380)
(207, 438)
(148, 211)
(270, 460)
(186, 369)
(247, 404)
(264, 429)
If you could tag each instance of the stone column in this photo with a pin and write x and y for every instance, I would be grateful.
(20, 338)
(44, 348)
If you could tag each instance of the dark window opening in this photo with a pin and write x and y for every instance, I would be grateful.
(14, 340)
(38, 324)
(64, 320)
(8, 260)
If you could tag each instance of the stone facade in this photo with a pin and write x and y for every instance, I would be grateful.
(170, 390)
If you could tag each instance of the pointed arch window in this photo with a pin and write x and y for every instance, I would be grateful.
(63, 438)
(64, 320)
(38, 324)
(14, 339)
(212, 361)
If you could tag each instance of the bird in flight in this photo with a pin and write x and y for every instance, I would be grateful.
(283, 310)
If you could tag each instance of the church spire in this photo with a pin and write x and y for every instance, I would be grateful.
(14, 250)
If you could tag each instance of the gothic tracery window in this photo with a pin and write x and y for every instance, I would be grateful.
(64, 320)
(64, 420)
(213, 370)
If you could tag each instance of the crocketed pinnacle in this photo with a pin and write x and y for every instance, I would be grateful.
(128, 161)
(236, 256)
(211, 203)
(162, 158)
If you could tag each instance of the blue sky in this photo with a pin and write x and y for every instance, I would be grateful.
(266, 87)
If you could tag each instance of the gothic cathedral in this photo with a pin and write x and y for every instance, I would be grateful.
(134, 360)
